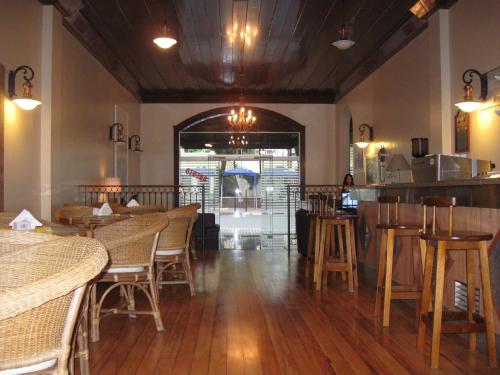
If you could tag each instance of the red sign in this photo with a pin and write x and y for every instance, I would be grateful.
(198, 175)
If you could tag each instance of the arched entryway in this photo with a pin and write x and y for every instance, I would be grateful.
(245, 185)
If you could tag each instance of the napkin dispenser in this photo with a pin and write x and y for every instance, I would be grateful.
(25, 221)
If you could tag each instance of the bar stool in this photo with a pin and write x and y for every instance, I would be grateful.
(346, 262)
(452, 240)
(392, 229)
(318, 207)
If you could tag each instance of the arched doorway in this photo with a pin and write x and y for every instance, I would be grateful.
(245, 185)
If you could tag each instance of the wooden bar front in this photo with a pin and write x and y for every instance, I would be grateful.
(466, 217)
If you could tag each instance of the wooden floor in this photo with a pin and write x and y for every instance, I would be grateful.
(254, 313)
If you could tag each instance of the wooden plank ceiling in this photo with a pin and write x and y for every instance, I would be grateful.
(286, 55)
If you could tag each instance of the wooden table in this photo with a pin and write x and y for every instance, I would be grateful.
(91, 222)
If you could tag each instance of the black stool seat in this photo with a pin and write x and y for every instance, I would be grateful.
(457, 235)
(399, 226)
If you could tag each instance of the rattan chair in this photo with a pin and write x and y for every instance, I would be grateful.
(173, 248)
(41, 290)
(131, 245)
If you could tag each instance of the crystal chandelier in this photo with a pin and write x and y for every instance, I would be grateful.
(238, 141)
(241, 119)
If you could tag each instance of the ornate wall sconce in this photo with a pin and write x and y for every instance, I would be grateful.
(26, 101)
(134, 143)
(469, 104)
(116, 133)
(365, 139)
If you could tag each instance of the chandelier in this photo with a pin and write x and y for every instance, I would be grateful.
(241, 119)
(238, 141)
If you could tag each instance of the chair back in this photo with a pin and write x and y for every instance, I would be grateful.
(41, 290)
(319, 203)
(67, 213)
(190, 210)
(177, 235)
(392, 204)
(442, 202)
(132, 242)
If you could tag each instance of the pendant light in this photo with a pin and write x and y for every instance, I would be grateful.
(343, 42)
(166, 39)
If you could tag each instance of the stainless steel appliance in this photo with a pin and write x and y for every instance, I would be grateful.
(440, 167)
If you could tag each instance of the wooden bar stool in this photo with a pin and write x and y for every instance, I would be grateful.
(453, 240)
(325, 261)
(391, 229)
(318, 207)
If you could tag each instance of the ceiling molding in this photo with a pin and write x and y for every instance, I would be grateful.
(235, 96)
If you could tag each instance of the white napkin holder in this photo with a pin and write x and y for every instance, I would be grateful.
(25, 221)
(133, 203)
(105, 210)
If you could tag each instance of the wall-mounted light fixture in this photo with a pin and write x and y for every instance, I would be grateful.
(26, 101)
(116, 133)
(134, 143)
(469, 104)
(365, 139)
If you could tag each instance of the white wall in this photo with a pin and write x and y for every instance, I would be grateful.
(158, 120)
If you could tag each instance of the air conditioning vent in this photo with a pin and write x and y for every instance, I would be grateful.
(461, 296)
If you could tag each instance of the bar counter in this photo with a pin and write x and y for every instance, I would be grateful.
(478, 209)
(483, 193)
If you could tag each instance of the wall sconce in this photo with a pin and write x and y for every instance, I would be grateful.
(26, 101)
(469, 104)
(116, 133)
(365, 139)
(134, 143)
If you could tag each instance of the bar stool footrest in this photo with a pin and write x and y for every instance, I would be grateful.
(404, 292)
(461, 325)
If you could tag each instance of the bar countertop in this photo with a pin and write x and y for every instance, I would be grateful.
(483, 193)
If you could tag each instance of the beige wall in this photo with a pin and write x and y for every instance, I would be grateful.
(22, 128)
(410, 95)
(79, 96)
(81, 150)
(158, 120)
(475, 43)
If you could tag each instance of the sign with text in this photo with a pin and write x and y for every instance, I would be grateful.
(195, 174)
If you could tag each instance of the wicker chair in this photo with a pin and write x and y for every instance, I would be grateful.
(131, 245)
(41, 290)
(190, 210)
(173, 249)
